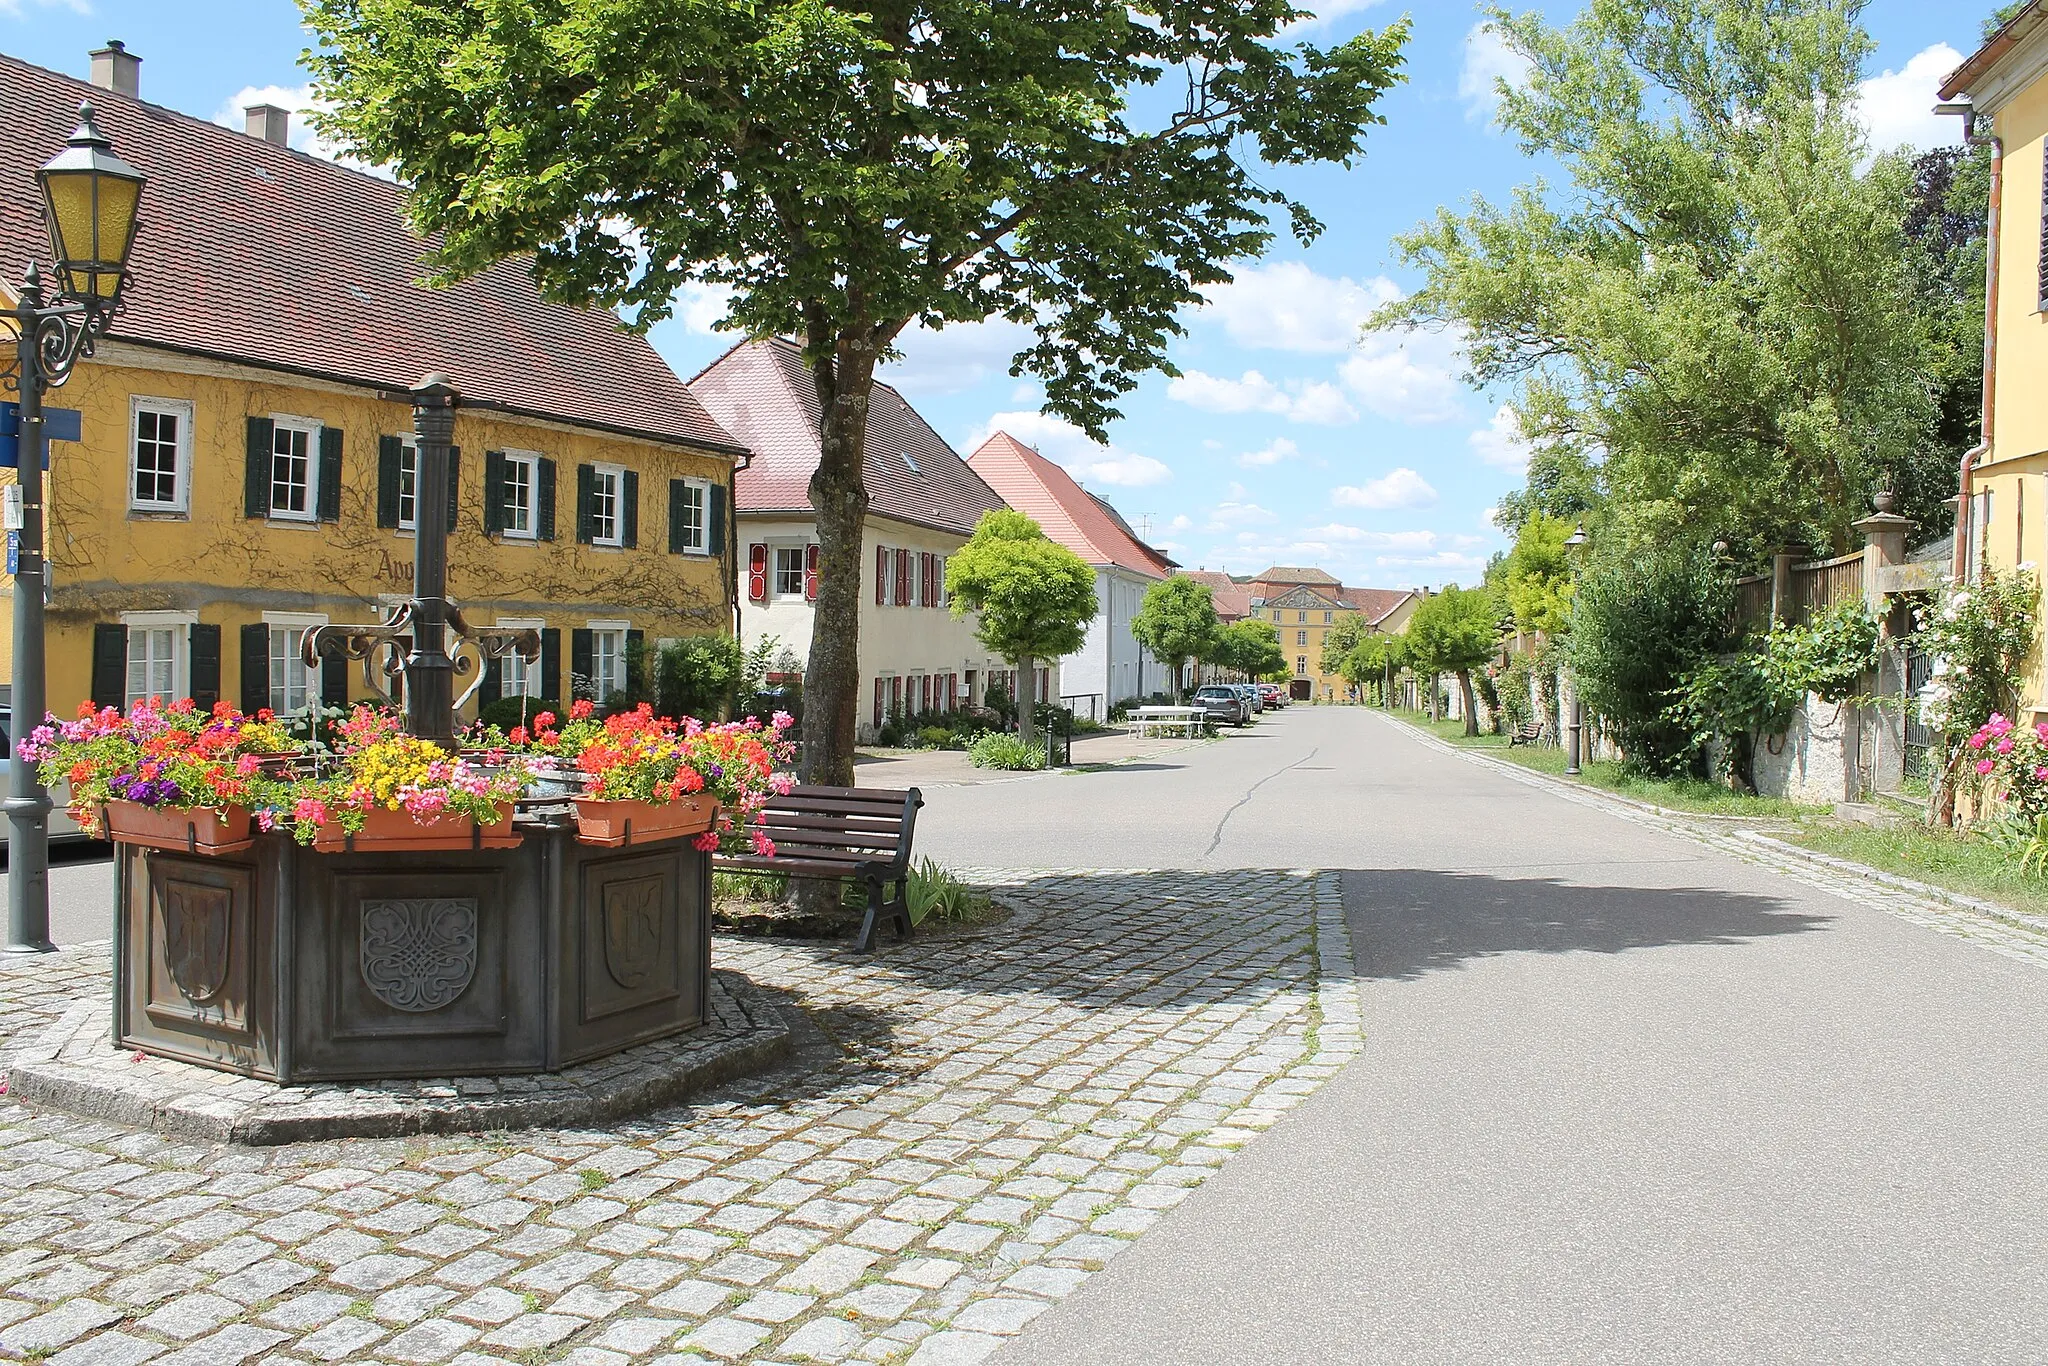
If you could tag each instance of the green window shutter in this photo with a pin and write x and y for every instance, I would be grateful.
(586, 497)
(582, 658)
(205, 665)
(109, 665)
(328, 504)
(454, 484)
(551, 663)
(255, 668)
(714, 542)
(494, 494)
(256, 472)
(629, 518)
(493, 686)
(333, 673)
(678, 489)
(390, 458)
(636, 663)
(545, 500)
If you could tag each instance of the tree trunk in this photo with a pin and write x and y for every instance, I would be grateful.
(1027, 688)
(1465, 696)
(840, 496)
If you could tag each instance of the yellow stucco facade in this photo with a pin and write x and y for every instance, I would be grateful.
(2007, 515)
(1304, 617)
(169, 541)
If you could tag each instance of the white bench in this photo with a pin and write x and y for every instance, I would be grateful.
(1189, 720)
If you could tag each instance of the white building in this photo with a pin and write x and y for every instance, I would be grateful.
(1111, 666)
(923, 503)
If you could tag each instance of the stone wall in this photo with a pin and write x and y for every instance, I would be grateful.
(1815, 760)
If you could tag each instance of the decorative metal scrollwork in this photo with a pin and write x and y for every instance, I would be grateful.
(65, 333)
(391, 638)
(419, 954)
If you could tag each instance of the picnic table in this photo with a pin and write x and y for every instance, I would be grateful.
(1144, 719)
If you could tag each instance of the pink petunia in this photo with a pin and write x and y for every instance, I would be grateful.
(1985, 766)
(763, 846)
(2005, 745)
(707, 842)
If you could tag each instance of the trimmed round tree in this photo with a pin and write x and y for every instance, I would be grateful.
(1033, 599)
(1456, 631)
(1177, 623)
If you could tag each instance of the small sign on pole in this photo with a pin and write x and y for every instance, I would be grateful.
(13, 552)
(10, 508)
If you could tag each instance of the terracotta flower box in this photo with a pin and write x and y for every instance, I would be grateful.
(398, 830)
(199, 831)
(615, 823)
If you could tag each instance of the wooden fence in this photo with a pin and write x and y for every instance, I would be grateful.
(1813, 586)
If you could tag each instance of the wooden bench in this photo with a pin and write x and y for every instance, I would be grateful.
(857, 834)
(1525, 735)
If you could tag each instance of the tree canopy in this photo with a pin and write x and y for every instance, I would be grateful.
(1713, 325)
(1250, 646)
(1455, 631)
(1177, 623)
(849, 168)
(1031, 599)
(1536, 576)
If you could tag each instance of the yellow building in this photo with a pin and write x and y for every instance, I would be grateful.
(244, 464)
(1305, 605)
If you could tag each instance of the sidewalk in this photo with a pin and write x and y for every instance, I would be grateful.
(950, 767)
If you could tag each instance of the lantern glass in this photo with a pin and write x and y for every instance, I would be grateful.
(90, 197)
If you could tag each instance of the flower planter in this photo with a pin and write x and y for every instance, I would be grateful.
(199, 831)
(615, 823)
(398, 830)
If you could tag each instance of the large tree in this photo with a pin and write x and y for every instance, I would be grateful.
(1031, 599)
(1250, 646)
(1177, 623)
(1456, 631)
(1712, 324)
(849, 168)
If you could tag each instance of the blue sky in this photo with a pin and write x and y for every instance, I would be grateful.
(1287, 440)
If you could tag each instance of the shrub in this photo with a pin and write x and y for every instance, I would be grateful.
(1001, 751)
(1979, 636)
(694, 676)
(507, 712)
(1641, 620)
(932, 892)
(935, 737)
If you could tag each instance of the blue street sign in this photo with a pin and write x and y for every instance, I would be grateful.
(13, 552)
(59, 424)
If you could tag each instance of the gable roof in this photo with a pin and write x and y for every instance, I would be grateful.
(1068, 513)
(1281, 573)
(1980, 63)
(1374, 604)
(254, 253)
(762, 393)
(1233, 600)
(1303, 595)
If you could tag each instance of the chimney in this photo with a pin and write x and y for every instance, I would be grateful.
(117, 69)
(268, 122)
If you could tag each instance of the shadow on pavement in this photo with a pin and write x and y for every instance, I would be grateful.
(1406, 922)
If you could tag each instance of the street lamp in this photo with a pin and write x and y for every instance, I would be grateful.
(89, 201)
(1575, 727)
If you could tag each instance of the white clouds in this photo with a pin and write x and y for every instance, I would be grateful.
(1311, 401)
(1065, 444)
(12, 8)
(1897, 107)
(955, 358)
(1231, 515)
(1447, 560)
(1278, 449)
(1500, 444)
(300, 101)
(1288, 307)
(699, 306)
(1400, 488)
(1488, 62)
(1414, 542)
(1407, 376)
(1328, 11)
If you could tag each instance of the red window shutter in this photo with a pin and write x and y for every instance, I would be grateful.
(924, 574)
(902, 578)
(881, 584)
(810, 573)
(924, 692)
(757, 572)
(878, 701)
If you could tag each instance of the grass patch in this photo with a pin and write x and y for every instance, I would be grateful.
(1687, 795)
(1951, 860)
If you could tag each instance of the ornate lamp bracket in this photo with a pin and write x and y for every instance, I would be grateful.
(489, 644)
(363, 642)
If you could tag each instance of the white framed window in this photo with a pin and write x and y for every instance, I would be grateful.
(294, 469)
(408, 482)
(293, 685)
(1301, 665)
(159, 664)
(607, 658)
(1329, 617)
(1301, 637)
(606, 525)
(789, 571)
(160, 455)
(521, 479)
(517, 677)
(695, 532)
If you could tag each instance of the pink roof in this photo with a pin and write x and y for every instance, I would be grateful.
(251, 252)
(1233, 600)
(1069, 514)
(761, 393)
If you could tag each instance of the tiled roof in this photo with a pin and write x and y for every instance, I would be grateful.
(1233, 600)
(1375, 604)
(1069, 514)
(255, 253)
(761, 393)
(1281, 573)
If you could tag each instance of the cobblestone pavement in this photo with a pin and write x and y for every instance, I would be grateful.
(985, 1121)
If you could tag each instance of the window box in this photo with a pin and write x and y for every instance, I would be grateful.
(384, 829)
(613, 824)
(198, 831)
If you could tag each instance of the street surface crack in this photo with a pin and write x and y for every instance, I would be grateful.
(1216, 838)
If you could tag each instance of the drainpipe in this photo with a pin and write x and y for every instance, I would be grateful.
(1966, 474)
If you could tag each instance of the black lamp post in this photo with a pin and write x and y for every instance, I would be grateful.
(89, 201)
(1575, 728)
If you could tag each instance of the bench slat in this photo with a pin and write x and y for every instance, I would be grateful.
(811, 806)
(797, 839)
(858, 793)
(792, 867)
(876, 825)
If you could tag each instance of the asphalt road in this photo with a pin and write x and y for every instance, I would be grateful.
(1622, 1099)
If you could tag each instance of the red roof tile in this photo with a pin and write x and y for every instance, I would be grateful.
(1233, 600)
(1284, 574)
(1374, 604)
(255, 253)
(762, 394)
(1069, 514)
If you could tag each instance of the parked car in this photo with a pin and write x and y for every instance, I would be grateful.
(1272, 694)
(1223, 703)
(1253, 703)
(63, 830)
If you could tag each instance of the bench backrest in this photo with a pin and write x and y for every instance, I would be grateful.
(850, 825)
